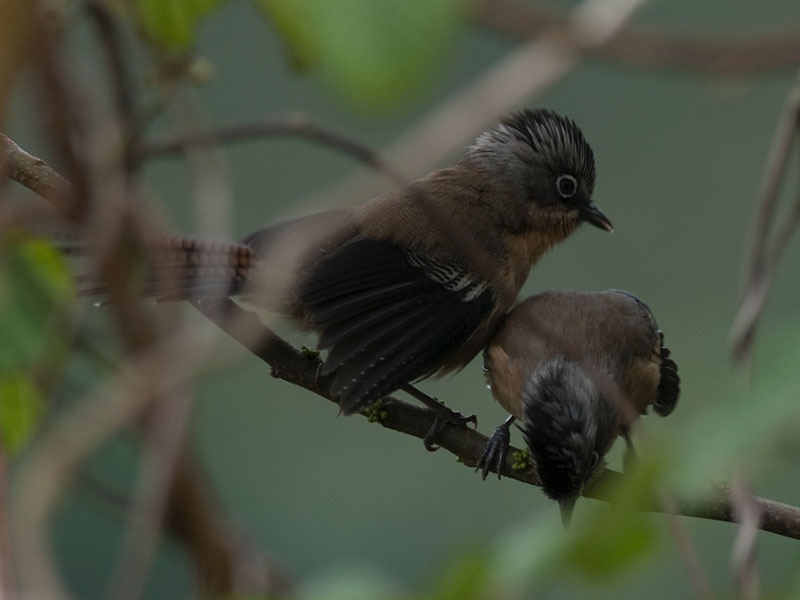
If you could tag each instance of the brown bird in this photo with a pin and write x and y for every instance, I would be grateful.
(576, 369)
(412, 283)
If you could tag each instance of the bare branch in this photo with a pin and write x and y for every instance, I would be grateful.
(304, 369)
(763, 260)
(5, 560)
(743, 555)
(649, 48)
(32, 172)
(686, 549)
(295, 125)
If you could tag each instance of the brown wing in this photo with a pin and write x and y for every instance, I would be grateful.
(657, 366)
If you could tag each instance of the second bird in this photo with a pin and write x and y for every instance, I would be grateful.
(576, 369)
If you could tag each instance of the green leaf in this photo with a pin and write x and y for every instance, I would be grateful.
(292, 21)
(464, 578)
(173, 23)
(374, 52)
(349, 583)
(21, 408)
(35, 292)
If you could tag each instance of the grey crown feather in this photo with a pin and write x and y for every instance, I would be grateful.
(555, 139)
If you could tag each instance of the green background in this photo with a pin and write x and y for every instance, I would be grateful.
(679, 159)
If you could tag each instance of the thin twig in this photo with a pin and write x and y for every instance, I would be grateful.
(649, 48)
(743, 554)
(295, 125)
(697, 574)
(763, 260)
(122, 83)
(5, 588)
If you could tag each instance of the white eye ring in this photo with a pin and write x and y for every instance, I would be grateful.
(567, 186)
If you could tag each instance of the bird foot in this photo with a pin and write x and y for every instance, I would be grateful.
(445, 417)
(494, 454)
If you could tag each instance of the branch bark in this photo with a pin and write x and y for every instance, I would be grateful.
(303, 368)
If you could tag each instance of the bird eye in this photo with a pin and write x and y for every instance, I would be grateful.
(566, 185)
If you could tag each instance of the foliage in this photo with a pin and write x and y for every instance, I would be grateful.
(35, 291)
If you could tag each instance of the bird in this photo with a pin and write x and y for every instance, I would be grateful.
(412, 283)
(576, 369)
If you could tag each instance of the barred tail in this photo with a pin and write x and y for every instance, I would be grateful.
(180, 268)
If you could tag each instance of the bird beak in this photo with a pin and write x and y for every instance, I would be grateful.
(567, 505)
(591, 214)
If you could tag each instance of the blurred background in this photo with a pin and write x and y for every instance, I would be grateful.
(348, 509)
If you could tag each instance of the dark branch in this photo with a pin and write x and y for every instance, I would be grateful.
(291, 125)
(302, 368)
(32, 172)
(646, 47)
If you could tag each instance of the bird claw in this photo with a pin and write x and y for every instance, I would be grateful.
(494, 453)
(445, 417)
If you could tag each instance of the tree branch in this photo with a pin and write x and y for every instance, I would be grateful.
(303, 368)
(648, 48)
(32, 172)
(764, 258)
(296, 125)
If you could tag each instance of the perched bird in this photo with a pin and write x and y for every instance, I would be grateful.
(576, 369)
(414, 282)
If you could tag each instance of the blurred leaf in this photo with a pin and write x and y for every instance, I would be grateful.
(21, 407)
(173, 23)
(349, 583)
(618, 535)
(374, 52)
(752, 417)
(525, 556)
(292, 22)
(463, 579)
(35, 290)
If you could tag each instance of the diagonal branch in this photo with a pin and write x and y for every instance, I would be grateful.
(303, 368)
(764, 259)
(645, 47)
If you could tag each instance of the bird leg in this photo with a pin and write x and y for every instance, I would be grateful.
(444, 416)
(630, 457)
(494, 454)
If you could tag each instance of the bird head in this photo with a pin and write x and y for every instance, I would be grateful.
(561, 429)
(545, 170)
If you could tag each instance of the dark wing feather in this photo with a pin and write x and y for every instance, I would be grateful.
(669, 385)
(388, 316)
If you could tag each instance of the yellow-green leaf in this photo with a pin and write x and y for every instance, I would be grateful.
(173, 23)
(21, 408)
(35, 291)
(374, 52)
